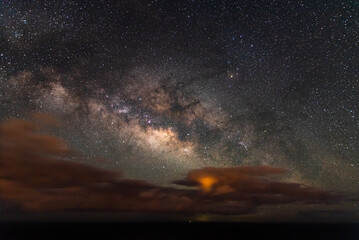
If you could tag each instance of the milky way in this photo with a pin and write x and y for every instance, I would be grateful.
(160, 87)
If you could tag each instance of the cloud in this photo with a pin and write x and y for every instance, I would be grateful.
(253, 185)
(37, 173)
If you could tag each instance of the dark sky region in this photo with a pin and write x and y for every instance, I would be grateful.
(225, 107)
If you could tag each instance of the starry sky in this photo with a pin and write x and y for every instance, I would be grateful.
(159, 88)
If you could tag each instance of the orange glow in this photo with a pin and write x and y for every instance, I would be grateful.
(207, 183)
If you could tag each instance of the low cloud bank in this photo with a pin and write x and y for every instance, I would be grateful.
(37, 173)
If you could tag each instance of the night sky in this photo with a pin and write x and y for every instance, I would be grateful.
(159, 88)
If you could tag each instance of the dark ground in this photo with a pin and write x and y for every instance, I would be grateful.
(177, 231)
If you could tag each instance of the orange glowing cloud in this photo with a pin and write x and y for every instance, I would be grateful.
(207, 183)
